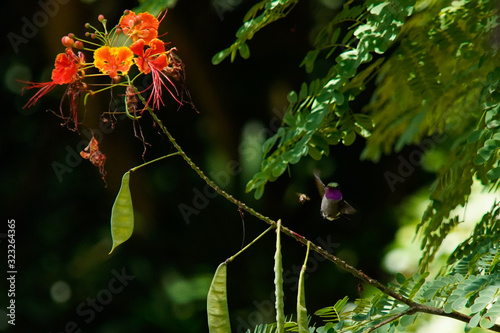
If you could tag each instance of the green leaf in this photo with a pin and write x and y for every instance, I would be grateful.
(493, 173)
(410, 132)
(400, 278)
(347, 63)
(314, 152)
(244, 50)
(278, 283)
(376, 10)
(349, 137)
(219, 56)
(335, 36)
(459, 304)
(292, 97)
(293, 156)
(309, 60)
(475, 320)
(407, 320)
(252, 12)
(303, 91)
(474, 136)
(259, 191)
(484, 153)
(447, 308)
(490, 317)
(279, 166)
(479, 304)
(244, 29)
(122, 214)
(217, 308)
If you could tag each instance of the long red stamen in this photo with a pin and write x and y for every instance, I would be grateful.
(45, 87)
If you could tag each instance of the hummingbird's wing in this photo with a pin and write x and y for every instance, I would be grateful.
(347, 209)
(319, 184)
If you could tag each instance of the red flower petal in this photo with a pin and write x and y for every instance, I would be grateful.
(140, 26)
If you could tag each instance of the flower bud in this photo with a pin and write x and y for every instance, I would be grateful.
(100, 18)
(137, 20)
(67, 42)
(79, 45)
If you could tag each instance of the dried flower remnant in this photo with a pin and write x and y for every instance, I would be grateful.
(95, 156)
(131, 101)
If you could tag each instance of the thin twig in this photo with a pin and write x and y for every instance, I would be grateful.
(414, 306)
(390, 319)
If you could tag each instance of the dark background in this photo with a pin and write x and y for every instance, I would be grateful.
(62, 223)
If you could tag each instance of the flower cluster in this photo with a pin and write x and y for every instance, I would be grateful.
(133, 41)
(132, 48)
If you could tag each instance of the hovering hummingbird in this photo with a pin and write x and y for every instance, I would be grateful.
(333, 204)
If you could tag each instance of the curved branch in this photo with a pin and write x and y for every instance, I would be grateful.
(413, 306)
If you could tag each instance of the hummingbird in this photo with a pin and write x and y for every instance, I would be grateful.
(333, 205)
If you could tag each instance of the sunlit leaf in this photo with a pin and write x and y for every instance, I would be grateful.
(244, 50)
(220, 56)
(493, 173)
(217, 308)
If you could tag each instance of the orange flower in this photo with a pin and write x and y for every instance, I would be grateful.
(140, 26)
(67, 69)
(111, 60)
(152, 57)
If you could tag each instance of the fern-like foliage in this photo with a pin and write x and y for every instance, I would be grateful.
(260, 15)
(442, 79)
(472, 154)
(319, 115)
(479, 293)
(480, 253)
(263, 328)
(470, 281)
